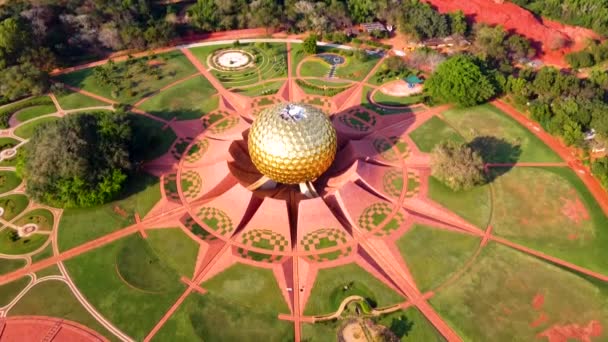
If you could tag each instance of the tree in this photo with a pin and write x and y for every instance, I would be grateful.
(519, 47)
(458, 23)
(580, 59)
(457, 165)
(600, 170)
(77, 161)
(460, 80)
(362, 10)
(13, 38)
(21, 80)
(310, 44)
(203, 15)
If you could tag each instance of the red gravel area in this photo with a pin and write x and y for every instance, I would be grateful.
(543, 32)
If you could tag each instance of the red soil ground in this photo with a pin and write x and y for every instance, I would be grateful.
(512, 17)
(565, 333)
(538, 301)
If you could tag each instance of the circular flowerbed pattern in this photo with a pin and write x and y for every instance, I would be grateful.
(232, 60)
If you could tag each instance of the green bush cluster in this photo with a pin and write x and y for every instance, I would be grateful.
(594, 54)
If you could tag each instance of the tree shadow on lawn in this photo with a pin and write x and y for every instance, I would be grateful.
(495, 150)
(401, 326)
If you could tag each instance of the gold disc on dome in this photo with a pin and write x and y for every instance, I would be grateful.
(292, 143)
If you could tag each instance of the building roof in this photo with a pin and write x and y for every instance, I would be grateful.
(375, 26)
(413, 79)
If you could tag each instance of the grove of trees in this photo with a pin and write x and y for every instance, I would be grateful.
(79, 160)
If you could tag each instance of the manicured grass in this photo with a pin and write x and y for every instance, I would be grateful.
(314, 67)
(49, 271)
(149, 139)
(132, 310)
(433, 132)
(500, 288)
(176, 248)
(243, 300)
(210, 318)
(80, 225)
(8, 181)
(6, 143)
(41, 217)
(389, 100)
(28, 129)
(53, 298)
(176, 66)
(74, 100)
(321, 331)
(266, 88)
(551, 210)
(34, 112)
(328, 290)
(188, 100)
(9, 265)
(202, 52)
(19, 245)
(46, 253)
(330, 83)
(297, 55)
(12, 289)
(474, 205)
(488, 121)
(356, 70)
(434, 254)
(142, 268)
(411, 325)
(384, 111)
(248, 286)
(13, 205)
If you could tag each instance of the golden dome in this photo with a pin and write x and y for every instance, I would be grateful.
(292, 143)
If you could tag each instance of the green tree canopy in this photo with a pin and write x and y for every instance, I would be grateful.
(310, 44)
(79, 160)
(457, 165)
(460, 80)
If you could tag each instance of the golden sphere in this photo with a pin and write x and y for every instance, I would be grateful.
(292, 143)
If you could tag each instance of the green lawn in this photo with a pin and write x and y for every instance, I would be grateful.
(411, 325)
(10, 290)
(434, 254)
(13, 205)
(266, 88)
(384, 111)
(474, 205)
(199, 318)
(6, 143)
(186, 101)
(9, 265)
(53, 298)
(41, 217)
(79, 225)
(28, 129)
(433, 132)
(202, 52)
(134, 306)
(48, 271)
(176, 248)
(500, 288)
(330, 83)
(512, 142)
(297, 55)
(173, 66)
(328, 290)
(74, 100)
(46, 253)
(551, 210)
(13, 245)
(389, 100)
(356, 70)
(8, 181)
(244, 300)
(34, 112)
(150, 141)
(314, 67)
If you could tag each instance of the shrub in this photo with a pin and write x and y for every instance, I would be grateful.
(7, 112)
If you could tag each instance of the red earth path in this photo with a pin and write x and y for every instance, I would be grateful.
(542, 31)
